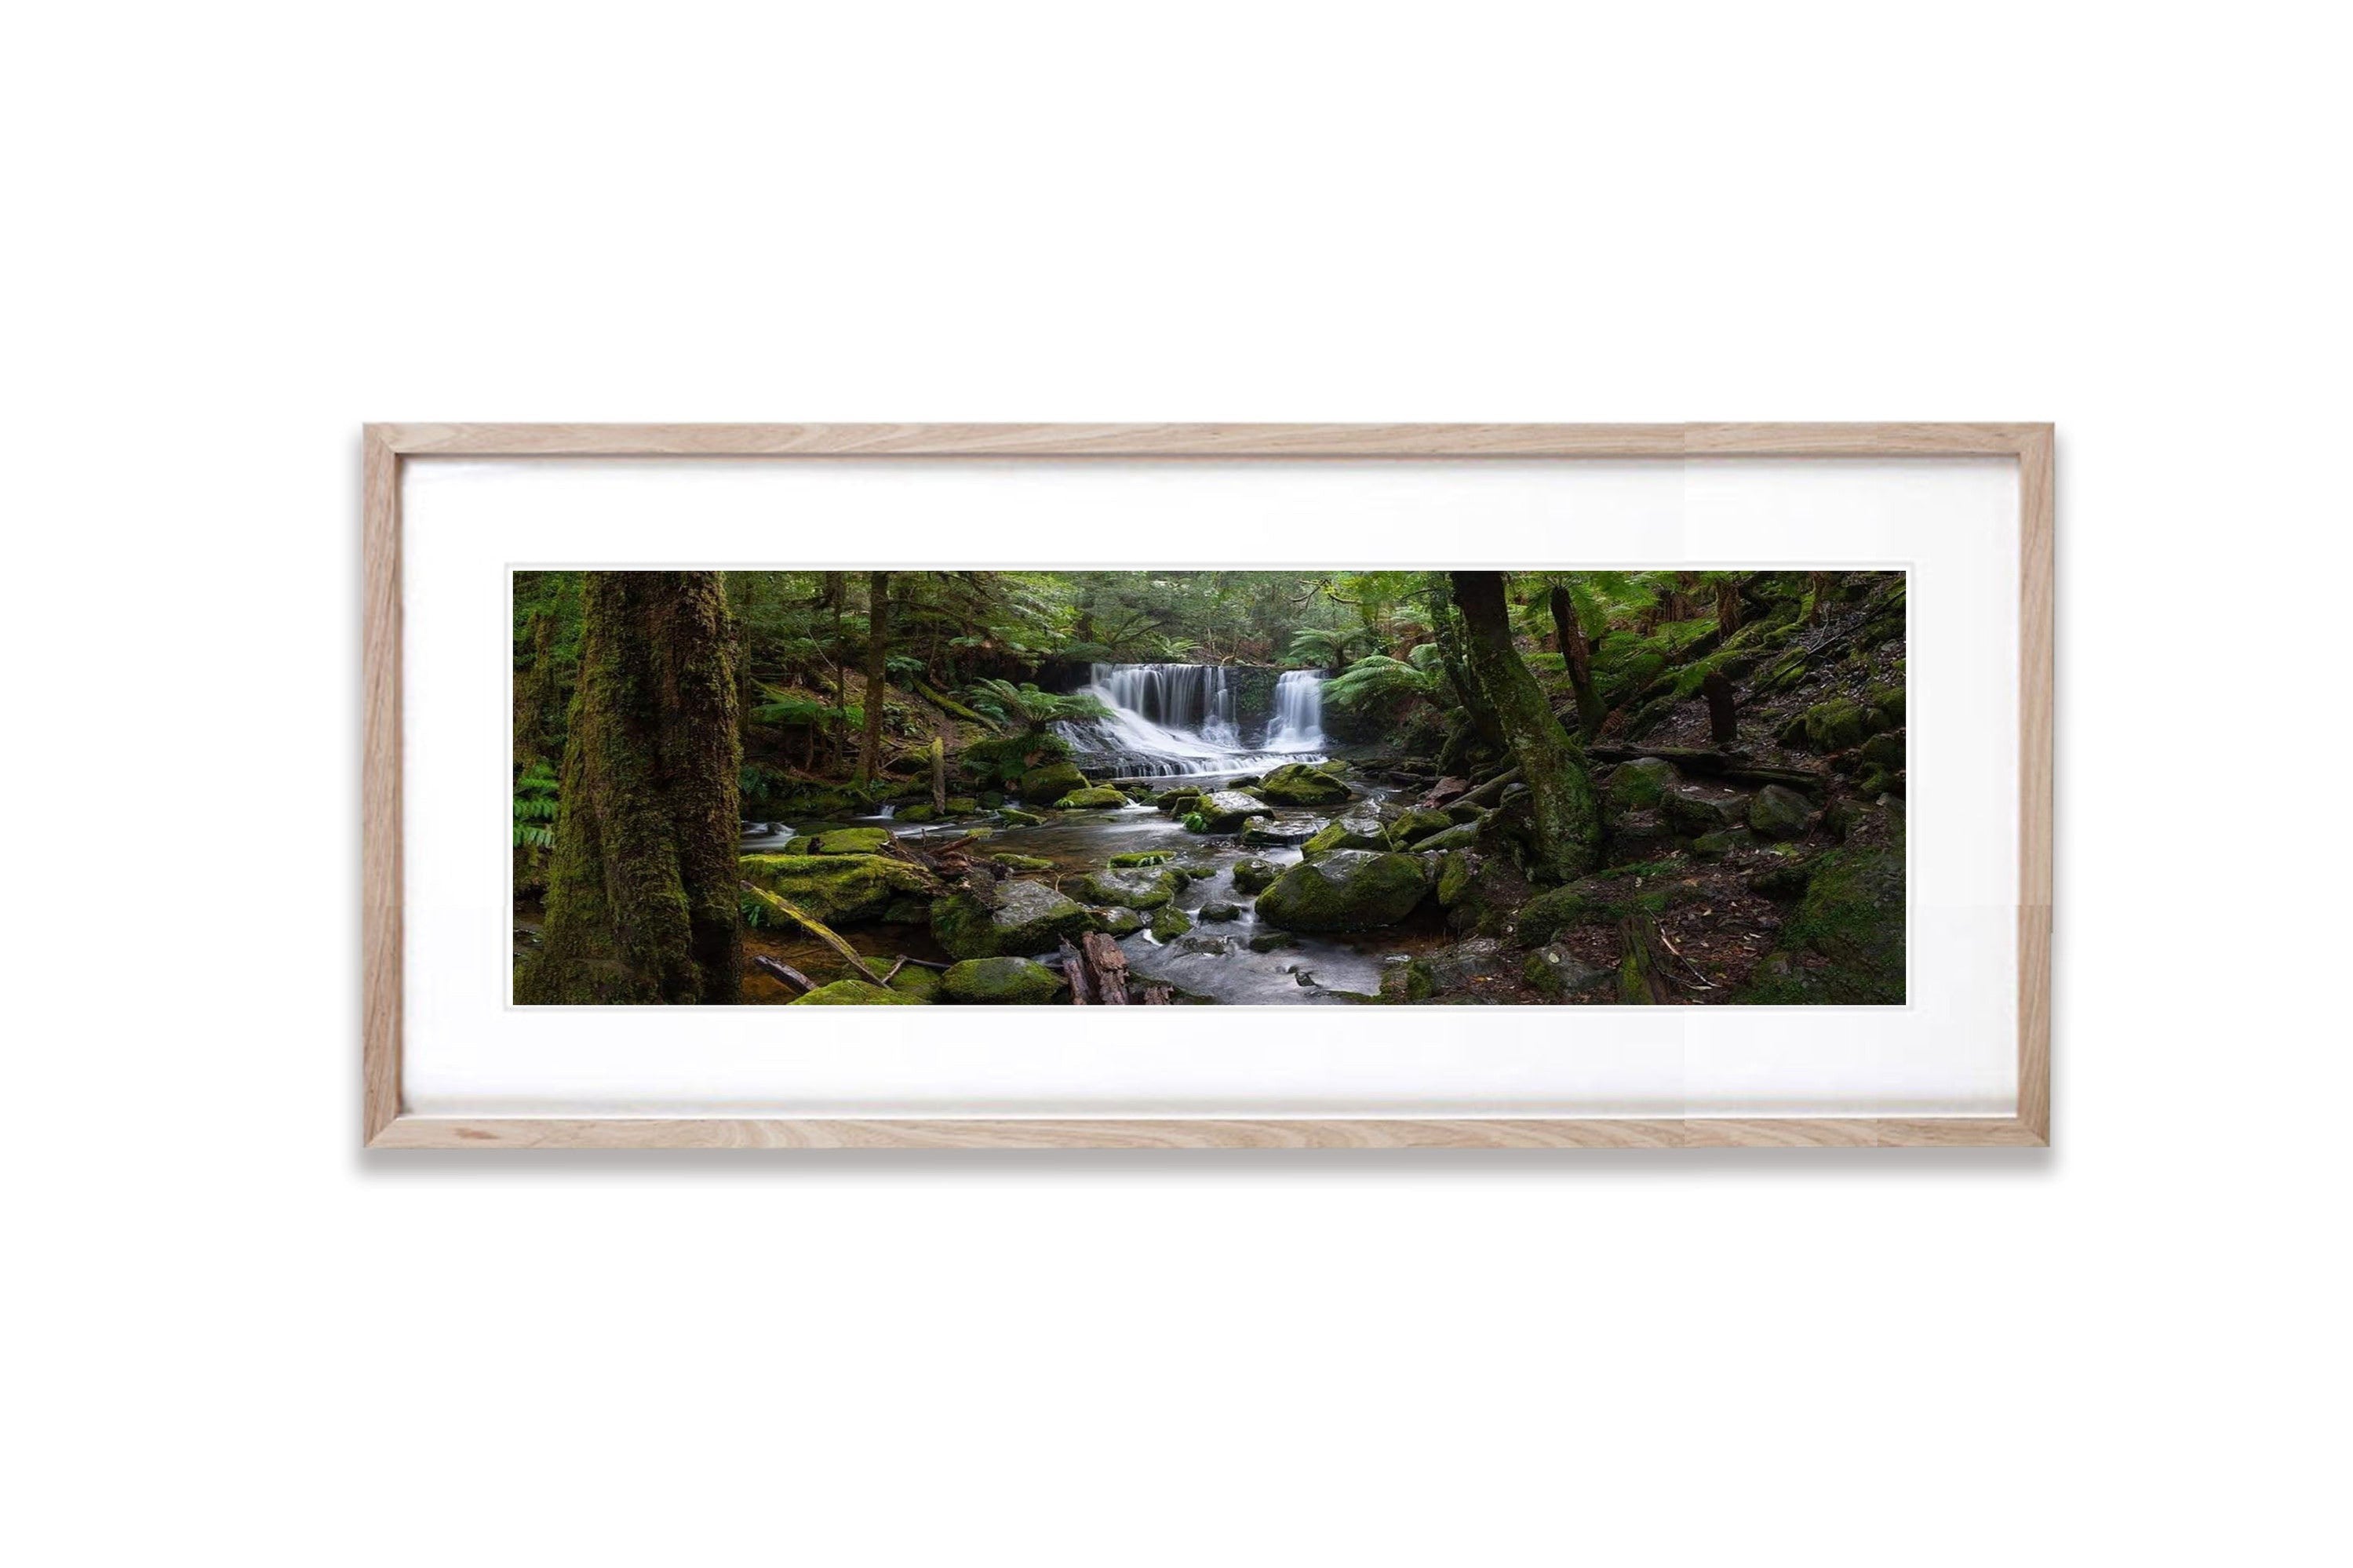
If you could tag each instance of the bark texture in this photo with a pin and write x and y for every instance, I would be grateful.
(1567, 819)
(1577, 653)
(641, 900)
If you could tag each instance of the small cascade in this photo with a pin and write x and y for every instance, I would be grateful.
(1174, 719)
(1298, 713)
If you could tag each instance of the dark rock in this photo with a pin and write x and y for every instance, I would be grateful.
(1779, 811)
(1346, 890)
(1254, 876)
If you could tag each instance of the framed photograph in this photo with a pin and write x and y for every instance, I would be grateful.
(1044, 786)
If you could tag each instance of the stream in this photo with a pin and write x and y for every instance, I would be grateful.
(1166, 721)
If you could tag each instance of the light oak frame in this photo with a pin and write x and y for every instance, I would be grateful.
(384, 447)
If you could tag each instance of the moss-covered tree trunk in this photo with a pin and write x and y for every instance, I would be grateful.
(878, 667)
(1577, 655)
(1565, 817)
(641, 897)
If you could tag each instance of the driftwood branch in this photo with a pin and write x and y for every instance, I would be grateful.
(783, 972)
(1108, 965)
(815, 928)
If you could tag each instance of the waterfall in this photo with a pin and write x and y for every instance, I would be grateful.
(1298, 713)
(1180, 719)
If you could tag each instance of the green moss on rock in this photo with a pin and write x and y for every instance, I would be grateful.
(1779, 811)
(1254, 876)
(855, 993)
(1346, 890)
(1299, 783)
(840, 890)
(1637, 786)
(1016, 981)
(1225, 811)
(1029, 918)
(1360, 829)
(1170, 922)
(1416, 824)
(1051, 781)
(1143, 888)
(850, 841)
(1100, 797)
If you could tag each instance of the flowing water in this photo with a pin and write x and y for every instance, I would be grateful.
(1179, 721)
(1169, 720)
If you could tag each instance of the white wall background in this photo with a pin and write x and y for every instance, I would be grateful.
(240, 230)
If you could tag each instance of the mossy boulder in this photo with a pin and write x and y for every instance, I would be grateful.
(1144, 858)
(1482, 894)
(1346, 890)
(919, 814)
(1170, 922)
(1417, 823)
(1004, 760)
(1356, 830)
(1224, 811)
(1267, 835)
(1100, 797)
(1178, 799)
(1141, 888)
(1689, 813)
(1029, 917)
(1779, 811)
(850, 841)
(915, 981)
(1338, 767)
(842, 889)
(1555, 972)
(1724, 841)
(1884, 752)
(1637, 786)
(1459, 836)
(1844, 944)
(1636, 839)
(1299, 783)
(1051, 781)
(1020, 862)
(1116, 922)
(1218, 912)
(1013, 817)
(962, 806)
(855, 993)
(1836, 725)
(1017, 981)
(1254, 876)
(1546, 915)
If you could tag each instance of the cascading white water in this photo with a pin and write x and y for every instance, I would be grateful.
(1298, 713)
(1179, 718)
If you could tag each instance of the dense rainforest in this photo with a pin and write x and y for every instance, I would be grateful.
(896, 787)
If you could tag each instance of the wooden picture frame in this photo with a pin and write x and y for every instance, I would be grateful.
(384, 1125)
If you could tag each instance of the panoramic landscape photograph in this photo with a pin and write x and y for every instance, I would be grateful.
(1195, 788)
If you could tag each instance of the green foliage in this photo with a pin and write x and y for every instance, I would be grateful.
(535, 807)
(1378, 681)
(1024, 707)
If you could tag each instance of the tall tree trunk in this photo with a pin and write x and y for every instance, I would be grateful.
(641, 897)
(836, 588)
(1728, 606)
(1565, 817)
(1447, 634)
(1821, 598)
(1577, 653)
(535, 693)
(878, 665)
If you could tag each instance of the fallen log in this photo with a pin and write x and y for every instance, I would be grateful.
(1491, 792)
(1106, 968)
(1641, 973)
(815, 928)
(783, 972)
(1075, 974)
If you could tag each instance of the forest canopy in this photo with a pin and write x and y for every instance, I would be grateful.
(1546, 730)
